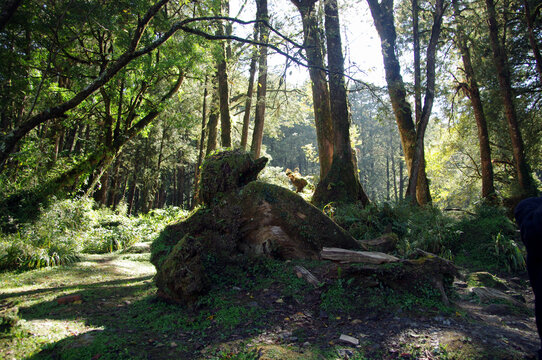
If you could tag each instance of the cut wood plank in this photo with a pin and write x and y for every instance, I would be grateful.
(351, 256)
(301, 272)
(349, 339)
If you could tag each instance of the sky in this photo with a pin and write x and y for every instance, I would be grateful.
(361, 44)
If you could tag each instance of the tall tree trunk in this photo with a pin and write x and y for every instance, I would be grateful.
(131, 194)
(418, 162)
(523, 173)
(212, 125)
(180, 189)
(473, 92)
(384, 22)
(174, 202)
(223, 87)
(261, 89)
(201, 143)
(529, 19)
(114, 188)
(417, 63)
(320, 94)
(401, 180)
(224, 100)
(250, 90)
(388, 182)
(341, 183)
(157, 181)
(101, 194)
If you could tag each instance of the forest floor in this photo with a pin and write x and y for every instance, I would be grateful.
(267, 314)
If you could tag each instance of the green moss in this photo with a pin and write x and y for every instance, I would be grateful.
(486, 279)
(227, 171)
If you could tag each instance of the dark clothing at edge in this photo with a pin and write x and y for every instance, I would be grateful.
(528, 216)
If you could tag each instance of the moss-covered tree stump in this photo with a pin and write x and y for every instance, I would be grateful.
(240, 217)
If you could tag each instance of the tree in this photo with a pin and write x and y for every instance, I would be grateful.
(341, 183)
(523, 174)
(472, 90)
(222, 77)
(10, 139)
(261, 89)
(250, 89)
(530, 16)
(320, 93)
(212, 124)
(421, 126)
(411, 134)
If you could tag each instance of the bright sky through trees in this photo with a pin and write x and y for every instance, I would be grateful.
(363, 59)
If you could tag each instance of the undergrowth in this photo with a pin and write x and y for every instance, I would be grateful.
(482, 239)
(68, 228)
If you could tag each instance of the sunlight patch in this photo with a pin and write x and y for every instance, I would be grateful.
(55, 330)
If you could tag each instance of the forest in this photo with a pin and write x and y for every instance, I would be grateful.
(410, 130)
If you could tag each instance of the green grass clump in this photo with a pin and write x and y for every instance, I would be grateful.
(338, 298)
(422, 298)
(252, 354)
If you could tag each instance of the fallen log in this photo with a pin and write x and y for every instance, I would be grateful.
(350, 256)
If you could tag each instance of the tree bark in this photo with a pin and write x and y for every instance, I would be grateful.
(417, 62)
(473, 92)
(223, 87)
(341, 183)
(384, 22)
(212, 125)
(250, 90)
(261, 90)
(201, 143)
(523, 172)
(224, 100)
(320, 93)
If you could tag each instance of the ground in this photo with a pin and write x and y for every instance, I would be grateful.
(260, 310)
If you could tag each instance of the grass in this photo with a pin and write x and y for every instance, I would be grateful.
(252, 301)
(120, 317)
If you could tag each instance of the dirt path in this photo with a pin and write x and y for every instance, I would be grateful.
(251, 317)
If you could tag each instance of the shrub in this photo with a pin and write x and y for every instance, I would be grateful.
(485, 239)
(426, 228)
(54, 239)
(17, 253)
(69, 227)
(488, 241)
